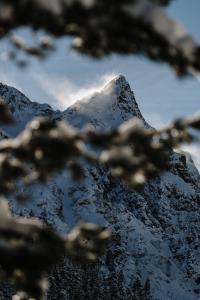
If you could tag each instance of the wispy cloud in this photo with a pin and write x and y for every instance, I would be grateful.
(65, 92)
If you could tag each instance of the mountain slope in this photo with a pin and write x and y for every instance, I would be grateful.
(155, 253)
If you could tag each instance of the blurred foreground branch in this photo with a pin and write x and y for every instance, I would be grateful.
(28, 250)
(132, 152)
(142, 27)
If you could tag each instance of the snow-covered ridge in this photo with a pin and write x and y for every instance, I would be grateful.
(22, 109)
(155, 251)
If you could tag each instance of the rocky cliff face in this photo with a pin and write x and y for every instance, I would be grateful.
(155, 251)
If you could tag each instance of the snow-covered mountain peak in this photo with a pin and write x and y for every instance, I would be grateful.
(22, 109)
(118, 82)
(14, 98)
(110, 107)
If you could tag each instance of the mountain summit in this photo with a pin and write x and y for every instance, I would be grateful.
(110, 107)
(155, 250)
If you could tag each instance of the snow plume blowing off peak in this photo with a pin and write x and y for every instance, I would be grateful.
(63, 92)
(114, 104)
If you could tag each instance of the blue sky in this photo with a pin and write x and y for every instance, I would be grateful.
(66, 75)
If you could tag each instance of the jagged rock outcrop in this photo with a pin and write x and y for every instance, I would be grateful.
(155, 251)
